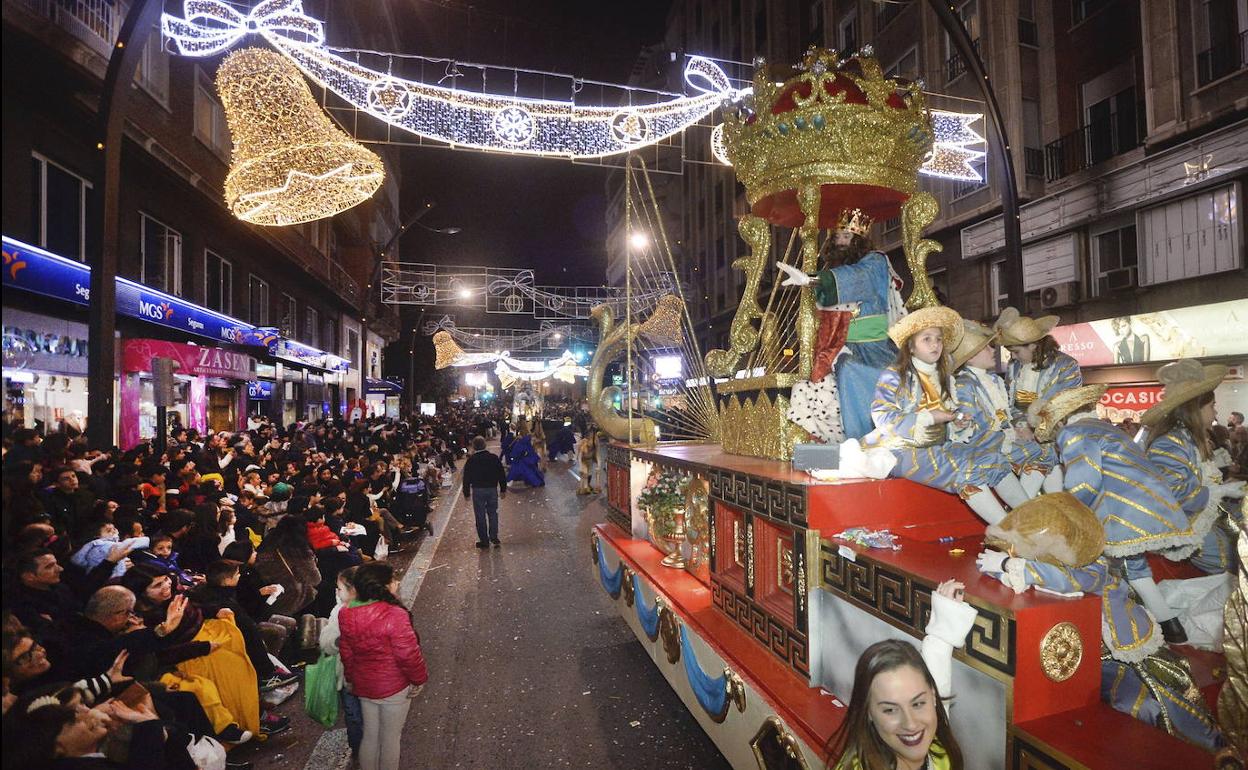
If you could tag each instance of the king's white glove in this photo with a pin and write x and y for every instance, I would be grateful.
(1233, 489)
(992, 561)
(795, 277)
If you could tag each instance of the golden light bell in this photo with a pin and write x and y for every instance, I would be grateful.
(290, 163)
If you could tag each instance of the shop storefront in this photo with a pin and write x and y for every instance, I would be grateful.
(383, 398)
(308, 380)
(210, 393)
(1125, 353)
(45, 371)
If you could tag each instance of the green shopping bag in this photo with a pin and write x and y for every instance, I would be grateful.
(320, 690)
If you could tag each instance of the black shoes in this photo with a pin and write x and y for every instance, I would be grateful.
(234, 734)
(1173, 631)
(272, 724)
(483, 544)
(496, 543)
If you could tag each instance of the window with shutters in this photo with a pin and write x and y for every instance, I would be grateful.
(210, 124)
(288, 316)
(1194, 236)
(257, 301)
(218, 283)
(312, 327)
(60, 209)
(161, 263)
(1114, 260)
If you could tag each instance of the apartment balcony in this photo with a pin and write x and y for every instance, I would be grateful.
(1094, 143)
(1221, 60)
(955, 66)
(96, 23)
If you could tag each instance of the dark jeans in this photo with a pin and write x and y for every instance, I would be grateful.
(354, 717)
(485, 506)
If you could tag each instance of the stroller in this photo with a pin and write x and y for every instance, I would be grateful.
(411, 504)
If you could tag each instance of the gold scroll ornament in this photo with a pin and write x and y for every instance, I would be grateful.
(742, 336)
(919, 212)
(661, 328)
(1233, 699)
(1061, 650)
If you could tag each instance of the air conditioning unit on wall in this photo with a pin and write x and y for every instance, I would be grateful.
(1059, 295)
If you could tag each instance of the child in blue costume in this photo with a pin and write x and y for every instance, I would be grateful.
(914, 404)
(1177, 442)
(984, 399)
(1038, 371)
(857, 297)
(1111, 475)
(524, 462)
(1059, 545)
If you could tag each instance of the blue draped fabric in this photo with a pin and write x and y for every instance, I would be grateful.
(647, 616)
(611, 581)
(523, 463)
(866, 281)
(711, 692)
(505, 443)
(1122, 688)
(563, 443)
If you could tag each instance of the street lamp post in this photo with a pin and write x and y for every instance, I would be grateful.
(998, 143)
(102, 303)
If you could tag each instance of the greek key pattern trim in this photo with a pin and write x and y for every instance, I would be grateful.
(906, 602)
(776, 500)
(785, 643)
(618, 455)
(1025, 755)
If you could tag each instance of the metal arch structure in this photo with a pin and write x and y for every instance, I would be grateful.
(549, 336)
(502, 290)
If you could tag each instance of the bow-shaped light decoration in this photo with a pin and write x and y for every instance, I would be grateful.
(211, 26)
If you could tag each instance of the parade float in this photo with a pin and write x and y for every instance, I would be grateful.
(725, 560)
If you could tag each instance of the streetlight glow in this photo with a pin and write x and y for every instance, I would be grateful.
(465, 293)
(638, 240)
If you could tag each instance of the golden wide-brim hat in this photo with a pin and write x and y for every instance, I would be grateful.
(1056, 528)
(1184, 379)
(975, 337)
(1045, 415)
(944, 318)
(1016, 329)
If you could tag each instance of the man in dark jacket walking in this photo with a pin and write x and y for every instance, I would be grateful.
(485, 482)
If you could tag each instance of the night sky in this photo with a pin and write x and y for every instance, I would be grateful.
(547, 214)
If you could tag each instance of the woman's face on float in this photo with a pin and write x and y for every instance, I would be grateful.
(927, 345)
(902, 707)
(1022, 352)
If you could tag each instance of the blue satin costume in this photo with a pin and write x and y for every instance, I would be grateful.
(954, 467)
(868, 281)
(524, 463)
(1062, 374)
(989, 423)
(1175, 455)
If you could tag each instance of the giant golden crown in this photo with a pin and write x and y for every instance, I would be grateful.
(837, 122)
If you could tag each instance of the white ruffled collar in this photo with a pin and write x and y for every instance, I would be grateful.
(924, 367)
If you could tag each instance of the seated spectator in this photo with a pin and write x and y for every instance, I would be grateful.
(102, 537)
(286, 559)
(68, 506)
(160, 553)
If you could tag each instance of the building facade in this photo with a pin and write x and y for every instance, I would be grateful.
(1127, 122)
(306, 285)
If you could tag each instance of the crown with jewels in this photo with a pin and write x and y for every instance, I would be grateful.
(838, 121)
(854, 221)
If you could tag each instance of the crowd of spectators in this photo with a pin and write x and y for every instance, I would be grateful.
(153, 599)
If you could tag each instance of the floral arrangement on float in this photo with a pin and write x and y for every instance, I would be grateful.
(663, 501)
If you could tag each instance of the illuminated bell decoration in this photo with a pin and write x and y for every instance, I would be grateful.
(290, 163)
(840, 125)
(446, 349)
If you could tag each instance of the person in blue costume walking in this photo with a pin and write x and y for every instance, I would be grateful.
(1111, 475)
(524, 464)
(1176, 438)
(857, 296)
(915, 406)
(1059, 546)
(1038, 371)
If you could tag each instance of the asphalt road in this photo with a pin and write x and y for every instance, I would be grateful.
(530, 664)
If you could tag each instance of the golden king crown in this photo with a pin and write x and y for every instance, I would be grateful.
(854, 221)
(853, 127)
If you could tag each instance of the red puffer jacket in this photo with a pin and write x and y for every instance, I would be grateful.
(380, 652)
(321, 536)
